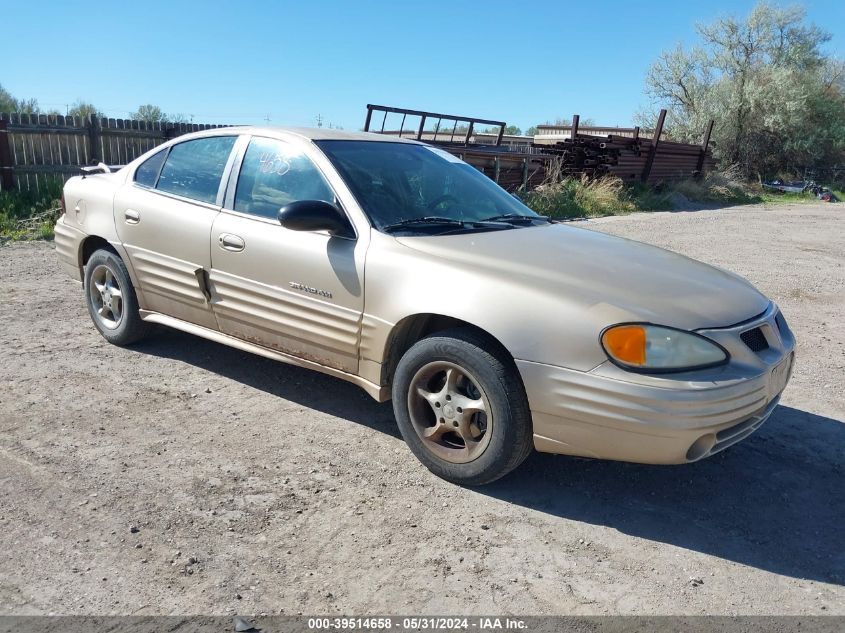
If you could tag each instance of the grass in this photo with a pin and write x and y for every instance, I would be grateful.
(583, 198)
(770, 197)
(29, 215)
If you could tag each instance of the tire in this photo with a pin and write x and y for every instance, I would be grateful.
(111, 299)
(496, 419)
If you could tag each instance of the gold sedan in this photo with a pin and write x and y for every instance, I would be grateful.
(398, 267)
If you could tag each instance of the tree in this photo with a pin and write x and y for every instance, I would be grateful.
(778, 101)
(29, 106)
(154, 114)
(84, 110)
(509, 129)
(8, 103)
(149, 113)
(532, 131)
(178, 118)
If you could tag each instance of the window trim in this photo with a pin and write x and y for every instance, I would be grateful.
(228, 204)
(166, 152)
(234, 173)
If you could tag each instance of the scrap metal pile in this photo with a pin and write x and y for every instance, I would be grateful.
(631, 159)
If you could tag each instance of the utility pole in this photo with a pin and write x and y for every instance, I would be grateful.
(319, 120)
(267, 118)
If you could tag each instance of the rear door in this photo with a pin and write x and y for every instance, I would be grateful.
(164, 218)
(297, 292)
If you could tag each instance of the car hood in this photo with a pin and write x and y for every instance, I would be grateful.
(606, 274)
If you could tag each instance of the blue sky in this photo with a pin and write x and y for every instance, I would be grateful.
(242, 62)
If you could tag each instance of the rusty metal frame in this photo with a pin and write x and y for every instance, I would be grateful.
(424, 115)
(704, 145)
(654, 143)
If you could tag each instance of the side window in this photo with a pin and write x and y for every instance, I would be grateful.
(147, 173)
(193, 169)
(275, 173)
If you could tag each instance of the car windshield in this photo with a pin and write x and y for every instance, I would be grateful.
(421, 188)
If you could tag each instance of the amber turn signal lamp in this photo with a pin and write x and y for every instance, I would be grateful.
(626, 343)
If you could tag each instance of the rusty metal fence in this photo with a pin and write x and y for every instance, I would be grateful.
(39, 149)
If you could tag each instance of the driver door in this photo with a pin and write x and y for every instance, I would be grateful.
(297, 292)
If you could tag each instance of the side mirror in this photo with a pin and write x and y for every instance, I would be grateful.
(315, 215)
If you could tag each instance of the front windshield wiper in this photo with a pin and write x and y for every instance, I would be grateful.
(429, 219)
(516, 216)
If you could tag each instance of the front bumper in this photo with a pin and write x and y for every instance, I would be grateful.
(609, 413)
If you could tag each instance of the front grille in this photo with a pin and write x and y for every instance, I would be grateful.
(755, 340)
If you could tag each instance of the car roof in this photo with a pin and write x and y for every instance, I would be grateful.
(312, 134)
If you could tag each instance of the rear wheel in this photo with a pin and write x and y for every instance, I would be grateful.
(462, 408)
(111, 299)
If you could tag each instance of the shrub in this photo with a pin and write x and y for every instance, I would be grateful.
(583, 198)
(29, 214)
(572, 198)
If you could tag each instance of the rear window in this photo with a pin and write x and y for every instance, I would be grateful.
(147, 173)
(193, 169)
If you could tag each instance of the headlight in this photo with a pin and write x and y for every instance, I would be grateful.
(657, 348)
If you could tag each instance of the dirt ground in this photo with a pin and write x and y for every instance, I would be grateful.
(181, 476)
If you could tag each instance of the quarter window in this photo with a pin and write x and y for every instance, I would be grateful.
(275, 173)
(147, 173)
(193, 169)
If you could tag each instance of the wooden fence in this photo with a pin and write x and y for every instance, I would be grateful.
(39, 149)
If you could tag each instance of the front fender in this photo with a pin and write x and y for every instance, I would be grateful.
(532, 323)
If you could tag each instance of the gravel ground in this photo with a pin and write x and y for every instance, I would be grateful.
(181, 476)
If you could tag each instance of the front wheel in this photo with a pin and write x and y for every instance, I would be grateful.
(111, 299)
(461, 407)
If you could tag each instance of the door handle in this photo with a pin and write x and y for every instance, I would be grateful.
(229, 242)
(132, 217)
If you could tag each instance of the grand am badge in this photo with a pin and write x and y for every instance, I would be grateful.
(309, 289)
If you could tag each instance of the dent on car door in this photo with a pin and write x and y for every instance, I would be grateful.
(164, 217)
(298, 292)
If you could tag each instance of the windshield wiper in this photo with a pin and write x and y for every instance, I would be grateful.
(516, 216)
(429, 219)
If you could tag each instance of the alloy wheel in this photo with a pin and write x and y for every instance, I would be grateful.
(450, 412)
(106, 297)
